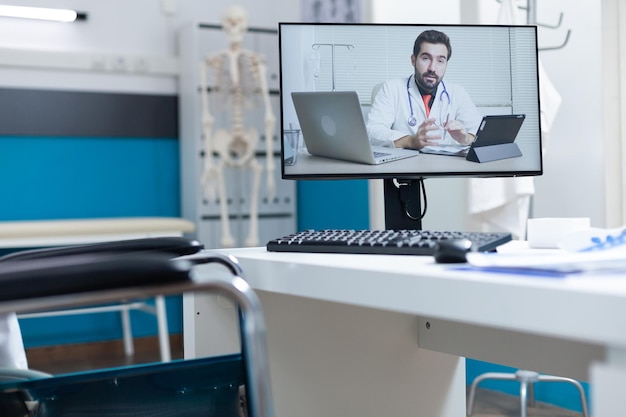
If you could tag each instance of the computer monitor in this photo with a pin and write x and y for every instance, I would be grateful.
(484, 86)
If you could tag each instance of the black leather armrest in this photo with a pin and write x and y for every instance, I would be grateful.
(174, 246)
(33, 278)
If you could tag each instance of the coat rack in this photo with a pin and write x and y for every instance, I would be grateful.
(531, 19)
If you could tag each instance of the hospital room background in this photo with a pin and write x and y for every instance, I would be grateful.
(85, 143)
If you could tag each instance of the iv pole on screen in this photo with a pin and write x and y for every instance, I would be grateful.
(316, 46)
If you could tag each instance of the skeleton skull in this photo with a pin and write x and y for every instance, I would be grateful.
(235, 23)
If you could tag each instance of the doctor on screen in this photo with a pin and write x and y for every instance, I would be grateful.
(422, 109)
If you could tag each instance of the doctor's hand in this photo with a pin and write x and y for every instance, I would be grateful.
(428, 134)
(458, 132)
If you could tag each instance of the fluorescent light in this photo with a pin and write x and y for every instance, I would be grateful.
(41, 13)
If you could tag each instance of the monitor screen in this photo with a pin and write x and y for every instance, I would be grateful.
(450, 100)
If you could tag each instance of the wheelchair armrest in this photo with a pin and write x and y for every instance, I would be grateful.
(66, 281)
(171, 245)
(57, 275)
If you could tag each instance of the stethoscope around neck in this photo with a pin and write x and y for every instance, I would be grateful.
(412, 120)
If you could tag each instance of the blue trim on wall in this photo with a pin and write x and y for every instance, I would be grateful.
(62, 178)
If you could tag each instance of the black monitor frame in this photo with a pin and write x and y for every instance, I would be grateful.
(403, 202)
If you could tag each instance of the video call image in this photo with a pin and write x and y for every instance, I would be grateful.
(393, 100)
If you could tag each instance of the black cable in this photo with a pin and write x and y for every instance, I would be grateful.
(405, 198)
(424, 199)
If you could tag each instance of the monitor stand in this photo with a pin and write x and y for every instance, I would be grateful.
(403, 208)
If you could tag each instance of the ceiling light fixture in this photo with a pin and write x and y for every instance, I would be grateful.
(41, 13)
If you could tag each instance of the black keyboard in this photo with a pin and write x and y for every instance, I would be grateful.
(386, 242)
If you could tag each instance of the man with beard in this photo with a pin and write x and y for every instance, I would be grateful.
(423, 110)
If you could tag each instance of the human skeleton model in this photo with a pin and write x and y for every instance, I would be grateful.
(238, 74)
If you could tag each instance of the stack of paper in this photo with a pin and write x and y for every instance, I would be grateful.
(592, 250)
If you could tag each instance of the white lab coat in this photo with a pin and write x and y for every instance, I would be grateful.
(388, 118)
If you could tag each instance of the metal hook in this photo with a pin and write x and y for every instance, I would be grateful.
(552, 48)
(544, 25)
(553, 26)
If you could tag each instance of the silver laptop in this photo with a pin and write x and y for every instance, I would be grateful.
(332, 126)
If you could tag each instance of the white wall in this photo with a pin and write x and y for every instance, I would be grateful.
(614, 43)
(573, 183)
(141, 26)
(416, 11)
(114, 29)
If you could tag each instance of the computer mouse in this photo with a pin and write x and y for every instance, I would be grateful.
(452, 251)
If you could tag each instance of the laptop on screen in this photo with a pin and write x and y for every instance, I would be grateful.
(333, 126)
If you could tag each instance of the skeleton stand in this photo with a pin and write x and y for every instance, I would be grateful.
(237, 74)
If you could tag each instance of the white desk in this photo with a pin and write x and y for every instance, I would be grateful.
(307, 164)
(386, 335)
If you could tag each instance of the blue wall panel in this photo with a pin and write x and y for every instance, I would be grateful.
(333, 204)
(59, 178)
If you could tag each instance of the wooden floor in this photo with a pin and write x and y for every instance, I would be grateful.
(74, 358)
(64, 359)
(489, 403)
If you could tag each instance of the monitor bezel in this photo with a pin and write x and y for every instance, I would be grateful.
(404, 175)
